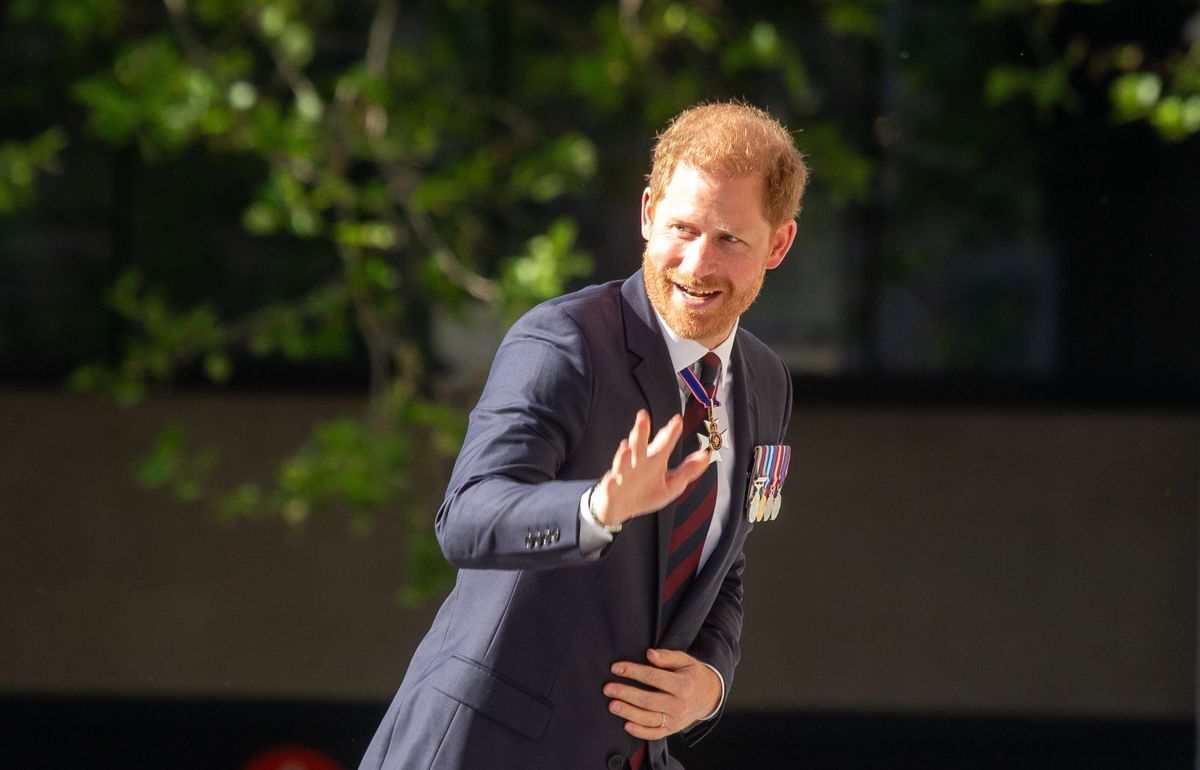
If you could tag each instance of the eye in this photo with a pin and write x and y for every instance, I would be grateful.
(728, 238)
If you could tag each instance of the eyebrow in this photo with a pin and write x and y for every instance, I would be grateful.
(722, 227)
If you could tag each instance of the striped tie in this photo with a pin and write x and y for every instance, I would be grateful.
(693, 513)
(694, 508)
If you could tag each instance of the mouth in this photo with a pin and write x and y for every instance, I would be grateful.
(695, 294)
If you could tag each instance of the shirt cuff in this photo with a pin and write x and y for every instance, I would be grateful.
(593, 537)
(720, 702)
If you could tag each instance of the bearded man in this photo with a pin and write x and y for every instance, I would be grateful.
(627, 439)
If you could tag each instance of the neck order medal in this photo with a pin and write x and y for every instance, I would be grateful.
(715, 439)
(714, 442)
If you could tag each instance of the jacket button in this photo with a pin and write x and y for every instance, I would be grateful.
(615, 762)
(529, 540)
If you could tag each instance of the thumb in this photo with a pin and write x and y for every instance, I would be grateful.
(672, 660)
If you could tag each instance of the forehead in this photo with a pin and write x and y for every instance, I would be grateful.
(690, 190)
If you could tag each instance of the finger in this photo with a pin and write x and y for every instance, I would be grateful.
(636, 697)
(654, 732)
(664, 440)
(638, 435)
(671, 660)
(643, 723)
(690, 469)
(621, 458)
(648, 675)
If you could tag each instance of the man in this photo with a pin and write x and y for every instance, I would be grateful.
(598, 603)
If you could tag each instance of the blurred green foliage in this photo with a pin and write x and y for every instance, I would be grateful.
(425, 145)
(433, 150)
(1152, 83)
(20, 163)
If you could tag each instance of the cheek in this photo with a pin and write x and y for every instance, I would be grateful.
(663, 255)
(746, 275)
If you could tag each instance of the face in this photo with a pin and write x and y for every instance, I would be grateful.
(707, 250)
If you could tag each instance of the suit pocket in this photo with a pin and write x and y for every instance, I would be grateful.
(479, 688)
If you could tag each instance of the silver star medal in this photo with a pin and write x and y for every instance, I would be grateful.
(758, 499)
(714, 441)
(773, 504)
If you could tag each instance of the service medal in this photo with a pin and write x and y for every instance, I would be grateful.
(754, 506)
(770, 469)
(714, 442)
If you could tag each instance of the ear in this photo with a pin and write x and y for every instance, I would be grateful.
(781, 241)
(647, 215)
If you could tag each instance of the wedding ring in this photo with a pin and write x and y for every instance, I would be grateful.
(664, 721)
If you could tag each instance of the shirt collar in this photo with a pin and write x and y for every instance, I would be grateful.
(685, 352)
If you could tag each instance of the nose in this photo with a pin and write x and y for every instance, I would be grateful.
(699, 258)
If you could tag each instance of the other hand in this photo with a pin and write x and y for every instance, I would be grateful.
(682, 691)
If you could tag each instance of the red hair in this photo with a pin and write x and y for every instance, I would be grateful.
(731, 139)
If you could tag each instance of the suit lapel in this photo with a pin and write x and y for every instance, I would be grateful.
(746, 428)
(651, 367)
(650, 362)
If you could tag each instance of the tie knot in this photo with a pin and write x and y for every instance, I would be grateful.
(710, 364)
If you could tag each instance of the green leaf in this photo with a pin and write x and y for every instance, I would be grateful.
(854, 18)
(549, 172)
(20, 164)
(429, 574)
(1135, 94)
(218, 367)
(272, 20)
(296, 42)
(245, 501)
(550, 260)
(160, 466)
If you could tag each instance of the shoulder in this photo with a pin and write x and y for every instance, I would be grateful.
(760, 360)
(589, 310)
(770, 386)
(596, 301)
(557, 338)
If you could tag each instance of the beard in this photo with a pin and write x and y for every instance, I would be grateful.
(708, 325)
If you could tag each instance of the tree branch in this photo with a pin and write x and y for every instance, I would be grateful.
(195, 50)
(379, 39)
(473, 283)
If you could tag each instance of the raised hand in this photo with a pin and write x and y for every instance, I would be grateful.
(639, 481)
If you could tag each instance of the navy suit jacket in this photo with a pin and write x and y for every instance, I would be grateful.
(510, 673)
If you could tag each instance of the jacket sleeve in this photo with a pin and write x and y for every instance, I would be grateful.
(505, 506)
(718, 643)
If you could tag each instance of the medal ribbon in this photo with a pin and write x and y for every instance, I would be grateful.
(698, 392)
(781, 456)
(760, 472)
(760, 465)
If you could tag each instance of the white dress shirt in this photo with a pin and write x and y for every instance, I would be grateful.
(686, 353)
